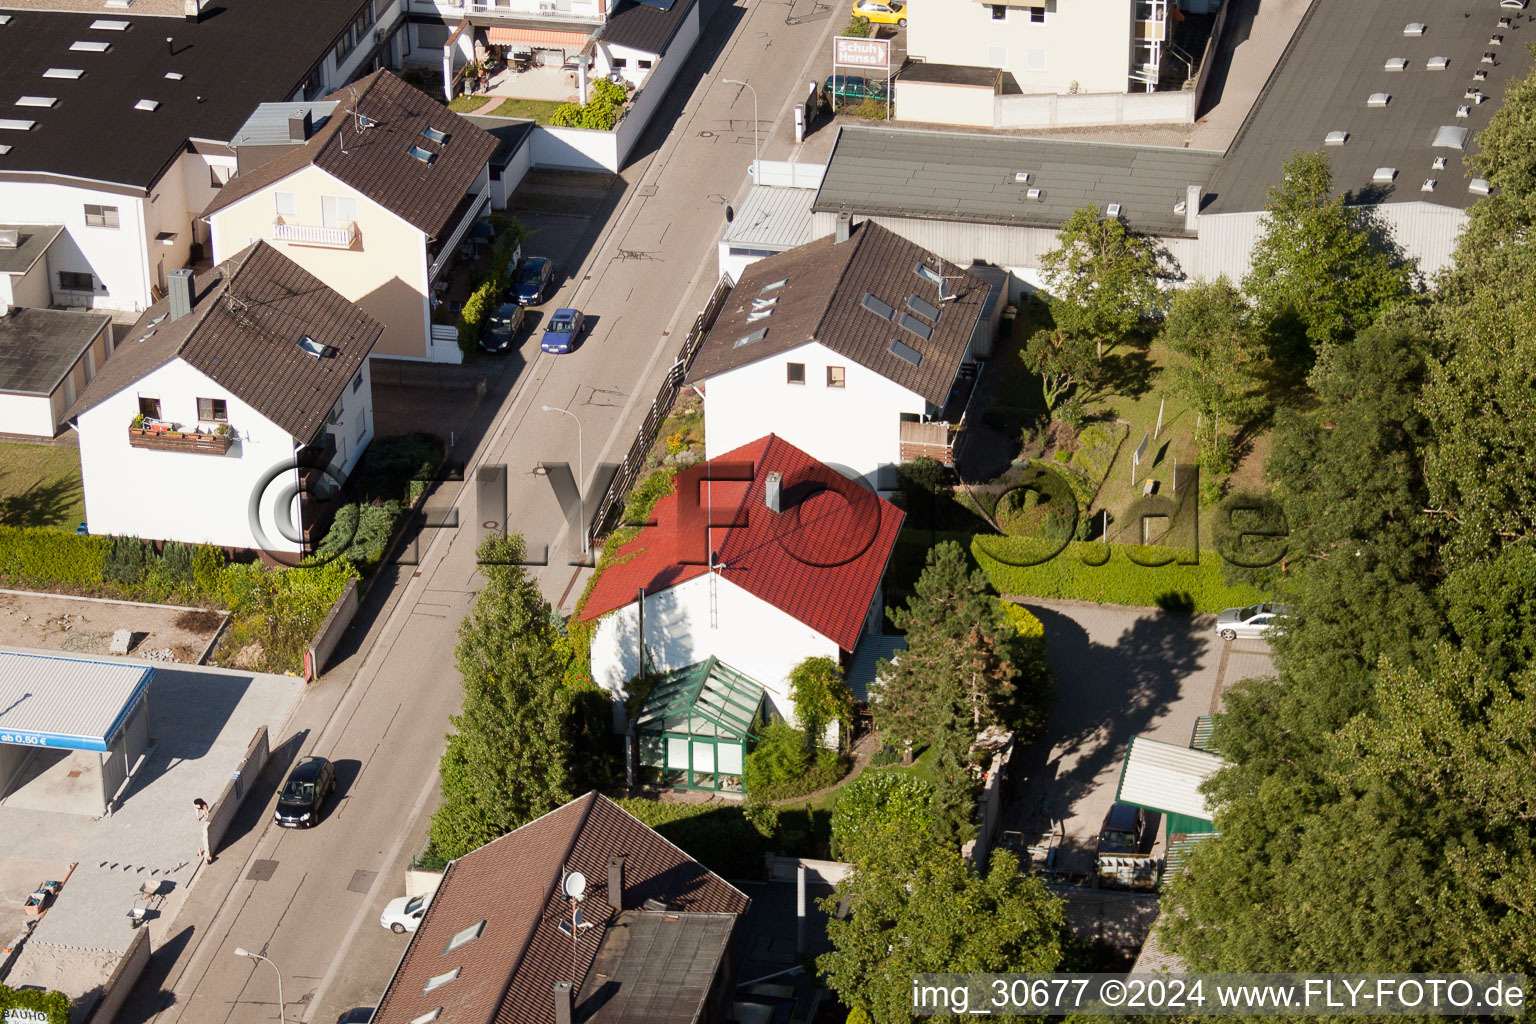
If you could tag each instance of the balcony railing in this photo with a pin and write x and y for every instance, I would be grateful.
(162, 440)
(474, 205)
(933, 440)
(533, 9)
(310, 234)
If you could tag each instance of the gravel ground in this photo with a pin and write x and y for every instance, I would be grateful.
(57, 623)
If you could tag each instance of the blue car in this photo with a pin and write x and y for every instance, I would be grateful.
(563, 329)
(533, 283)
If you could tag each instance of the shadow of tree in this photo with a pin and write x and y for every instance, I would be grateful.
(1127, 373)
(43, 504)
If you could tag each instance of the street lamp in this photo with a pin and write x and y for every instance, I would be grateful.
(757, 150)
(281, 1006)
(581, 478)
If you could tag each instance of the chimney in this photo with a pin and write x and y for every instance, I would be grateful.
(300, 127)
(616, 882)
(772, 493)
(180, 283)
(1192, 196)
(562, 1002)
(844, 225)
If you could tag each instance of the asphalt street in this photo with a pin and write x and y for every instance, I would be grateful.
(310, 900)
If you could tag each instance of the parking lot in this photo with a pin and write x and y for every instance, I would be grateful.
(1120, 672)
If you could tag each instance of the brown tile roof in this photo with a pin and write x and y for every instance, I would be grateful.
(821, 300)
(378, 161)
(247, 316)
(507, 974)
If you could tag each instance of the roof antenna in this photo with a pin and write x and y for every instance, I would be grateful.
(359, 118)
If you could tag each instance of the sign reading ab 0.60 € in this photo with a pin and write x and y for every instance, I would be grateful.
(861, 53)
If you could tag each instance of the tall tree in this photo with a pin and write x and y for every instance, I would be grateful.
(508, 759)
(1103, 277)
(1217, 353)
(820, 696)
(929, 915)
(1063, 361)
(1319, 272)
(958, 653)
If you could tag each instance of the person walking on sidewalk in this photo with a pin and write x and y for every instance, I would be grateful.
(203, 815)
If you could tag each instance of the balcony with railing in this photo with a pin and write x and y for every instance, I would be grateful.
(343, 237)
(166, 437)
(573, 11)
(464, 215)
(932, 440)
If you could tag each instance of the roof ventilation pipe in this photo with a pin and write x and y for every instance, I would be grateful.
(300, 127)
(844, 226)
(179, 285)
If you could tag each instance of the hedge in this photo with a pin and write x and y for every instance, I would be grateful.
(36, 556)
(1105, 573)
(719, 836)
(55, 1005)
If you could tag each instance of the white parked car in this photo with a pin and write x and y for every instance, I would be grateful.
(404, 914)
(1251, 623)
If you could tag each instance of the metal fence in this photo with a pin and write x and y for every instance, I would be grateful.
(671, 384)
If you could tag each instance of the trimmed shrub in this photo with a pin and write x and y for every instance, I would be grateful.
(53, 1005)
(476, 309)
(126, 560)
(881, 814)
(176, 560)
(1034, 689)
(858, 28)
(1105, 573)
(34, 556)
(780, 756)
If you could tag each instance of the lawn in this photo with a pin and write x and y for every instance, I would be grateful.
(1176, 440)
(40, 485)
(468, 104)
(533, 110)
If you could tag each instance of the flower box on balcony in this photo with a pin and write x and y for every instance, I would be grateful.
(164, 440)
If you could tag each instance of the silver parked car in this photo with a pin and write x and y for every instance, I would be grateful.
(1251, 623)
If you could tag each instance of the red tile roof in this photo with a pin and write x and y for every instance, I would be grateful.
(507, 974)
(819, 560)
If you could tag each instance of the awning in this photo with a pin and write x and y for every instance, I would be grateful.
(501, 36)
(1163, 777)
(73, 703)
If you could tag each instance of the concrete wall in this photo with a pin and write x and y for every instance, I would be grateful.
(817, 872)
(30, 415)
(748, 634)
(193, 497)
(329, 634)
(989, 807)
(116, 257)
(384, 272)
(115, 992)
(744, 404)
(788, 174)
(1082, 46)
(1052, 111)
(583, 149)
(29, 289)
(421, 883)
(228, 802)
(512, 175)
(938, 103)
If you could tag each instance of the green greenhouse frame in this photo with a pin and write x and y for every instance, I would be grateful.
(696, 726)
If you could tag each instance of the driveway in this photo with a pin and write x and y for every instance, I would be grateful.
(1120, 672)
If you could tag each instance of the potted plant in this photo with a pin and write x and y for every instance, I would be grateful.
(137, 423)
(222, 430)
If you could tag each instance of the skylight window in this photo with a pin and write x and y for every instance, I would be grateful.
(1384, 174)
(1450, 136)
(4, 150)
(69, 73)
(916, 326)
(1413, 28)
(878, 307)
(757, 335)
(1429, 185)
(760, 303)
(440, 980)
(428, 1018)
(37, 101)
(922, 307)
(436, 136)
(1378, 99)
(309, 346)
(581, 922)
(928, 274)
(901, 350)
(90, 46)
(423, 155)
(464, 938)
(1397, 63)
(777, 284)
(759, 314)
(150, 105)
(1335, 138)
(174, 76)
(15, 124)
(5, 19)
(1479, 186)
(109, 25)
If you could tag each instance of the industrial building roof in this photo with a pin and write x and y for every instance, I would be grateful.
(960, 176)
(647, 27)
(394, 144)
(39, 346)
(249, 316)
(73, 703)
(1334, 77)
(32, 240)
(491, 946)
(878, 299)
(1164, 777)
(772, 217)
(234, 57)
(818, 560)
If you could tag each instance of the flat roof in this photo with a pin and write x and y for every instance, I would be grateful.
(960, 176)
(39, 346)
(647, 27)
(1163, 777)
(237, 56)
(773, 216)
(657, 968)
(511, 135)
(73, 703)
(32, 241)
(268, 123)
(1335, 63)
(954, 74)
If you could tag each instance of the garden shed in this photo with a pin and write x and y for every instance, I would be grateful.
(696, 725)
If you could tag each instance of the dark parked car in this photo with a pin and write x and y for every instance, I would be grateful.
(501, 327)
(1122, 830)
(841, 89)
(533, 282)
(356, 1015)
(311, 781)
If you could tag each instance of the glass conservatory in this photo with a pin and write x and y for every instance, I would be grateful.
(695, 726)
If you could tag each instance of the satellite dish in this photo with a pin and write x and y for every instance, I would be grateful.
(575, 884)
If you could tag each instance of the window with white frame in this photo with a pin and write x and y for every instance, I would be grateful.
(338, 211)
(287, 204)
(100, 216)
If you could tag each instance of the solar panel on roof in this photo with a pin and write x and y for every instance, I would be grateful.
(879, 307)
(916, 326)
(901, 350)
(923, 307)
